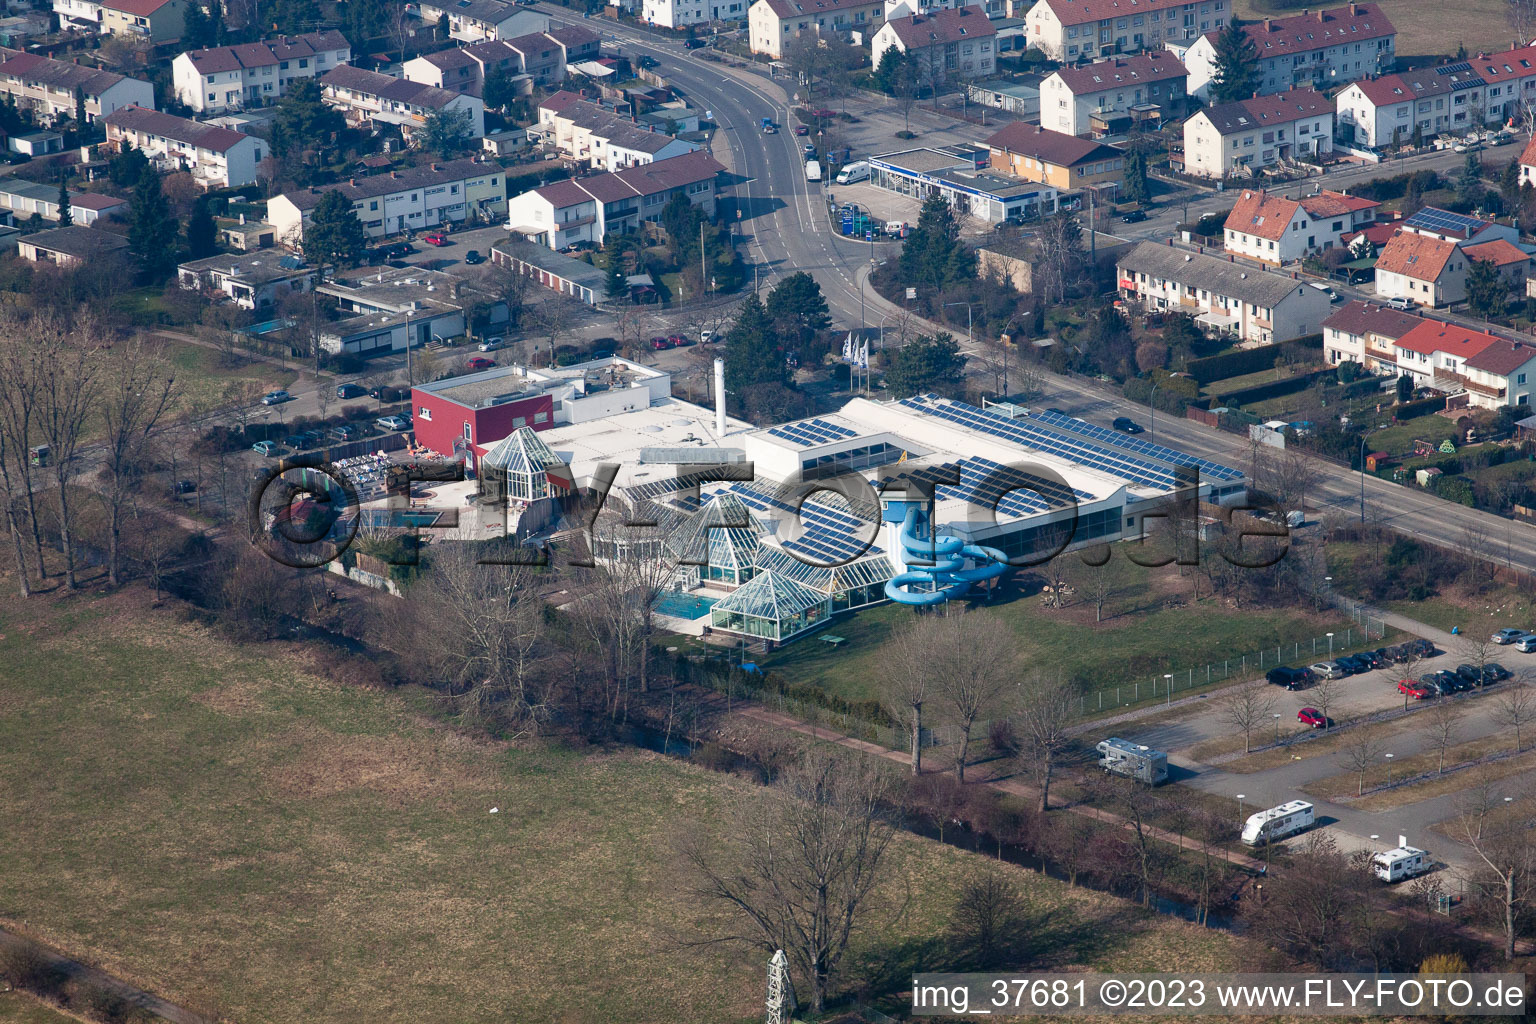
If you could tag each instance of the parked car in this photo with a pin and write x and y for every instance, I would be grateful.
(1504, 637)
(1376, 659)
(492, 344)
(296, 441)
(706, 336)
(350, 391)
(479, 363)
(1400, 303)
(1126, 425)
(1473, 674)
(1134, 216)
(389, 393)
(399, 249)
(1290, 678)
(809, 149)
(1449, 682)
(660, 343)
(1313, 717)
(1352, 664)
(648, 62)
(1415, 689)
(1526, 644)
(268, 449)
(693, 44)
(1497, 671)
(183, 487)
(392, 423)
(436, 238)
(275, 397)
(679, 340)
(346, 432)
(1328, 670)
(473, 256)
(801, 129)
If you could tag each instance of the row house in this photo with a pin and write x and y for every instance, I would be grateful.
(1366, 333)
(683, 13)
(773, 24)
(1266, 131)
(1256, 306)
(471, 21)
(412, 199)
(538, 59)
(73, 245)
(960, 42)
(155, 21)
(1276, 230)
(584, 131)
(1490, 370)
(1318, 49)
(254, 74)
(47, 88)
(590, 209)
(369, 98)
(1072, 30)
(1455, 97)
(1139, 89)
(1065, 162)
(216, 157)
(1425, 262)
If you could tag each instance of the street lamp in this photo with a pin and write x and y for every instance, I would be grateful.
(1389, 771)
(967, 306)
(1152, 402)
(1240, 815)
(1276, 717)
(1330, 645)
(1363, 438)
(1168, 685)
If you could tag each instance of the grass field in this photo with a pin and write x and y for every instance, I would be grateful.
(16, 1008)
(215, 824)
(1424, 27)
(204, 375)
(1346, 784)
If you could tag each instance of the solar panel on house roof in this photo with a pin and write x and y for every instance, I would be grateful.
(808, 433)
(1138, 445)
(1451, 69)
(1436, 219)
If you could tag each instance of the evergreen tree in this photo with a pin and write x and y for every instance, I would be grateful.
(152, 228)
(202, 232)
(80, 118)
(303, 117)
(196, 30)
(218, 34)
(1404, 388)
(926, 364)
(933, 255)
(887, 71)
(1509, 186)
(1136, 187)
(334, 235)
(1487, 290)
(1470, 184)
(614, 282)
(497, 90)
(1417, 139)
(1236, 75)
(447, 132)
(682, 220)
(66, 216)
(797, 308)
(753, 356)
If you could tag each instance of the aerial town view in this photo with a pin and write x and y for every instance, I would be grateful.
(730, 511)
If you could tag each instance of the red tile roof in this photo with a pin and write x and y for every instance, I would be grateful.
(1503, 357)
(1528, 156)
(1157, 66)
(1417, 256)
(1256, 212)
(1051, 147)
(940, 28)
(1501, 252)
(1080, 12)
(177, 129)
(1264, 111)
(1433, 336)
(137, 8)
(1279, 37)
(1379, 233)
(1334, 204)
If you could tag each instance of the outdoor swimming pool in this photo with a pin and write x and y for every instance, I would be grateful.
(684, 606)
(398, 518)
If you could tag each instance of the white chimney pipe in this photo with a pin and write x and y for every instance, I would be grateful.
(1402, 842)
(719, 397)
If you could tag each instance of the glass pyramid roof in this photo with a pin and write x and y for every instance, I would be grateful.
(521, 451)
(771, 596)
(706, 537)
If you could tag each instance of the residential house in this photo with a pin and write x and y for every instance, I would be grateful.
(1266, 131)
(1113, 94)
(1514, 263)
(1528, 163)
(1065, 162)
(773, 24)
(1276, 230)
(1502, 374)
(1435, 353)
(1426, 270)
(1316, 49)
(683, 13)
(537, 59)
(957, 43)
(412, 199)
(470, 21)
(252, 280)
(1457, 227)
(1072, 30)
(585, 131)
(157, 21)
(71, 246)
(49, 88)
(254, 74)
(1256, 306)
(22, 200)
(1385, 111)
(369, 98)
(1365, 333)
(589, 209)
(217, 157)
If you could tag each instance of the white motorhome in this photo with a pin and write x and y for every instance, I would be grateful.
(856, 171)
(1133, 760)
(1402, 863)
(1278, 822)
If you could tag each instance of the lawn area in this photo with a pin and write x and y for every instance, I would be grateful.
(1454, 607)
(1399, 440)
(16, 1008)
(1150, 627)
(1424, 27)
(204, 376)
(216, 824)
(1346, 784)
(1248, 380)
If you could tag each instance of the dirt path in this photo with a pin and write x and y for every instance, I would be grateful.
(76, 971)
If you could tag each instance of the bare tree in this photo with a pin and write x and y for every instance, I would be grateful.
(1444, 721)
(20, 380)
(137, 392)
(553, 318)
(909, 684)
(1246, 708)
(1478, 649)
(1060, 248)
(325, 395)
(1509, 857)
(987, 917)
(67, 397)
(153, 545)
(1362, 751)
(801, 862)
(1096, 579)
(1046, 707)
(1325, 696)
(1516, 707)
(1522, 18)
(978, 657)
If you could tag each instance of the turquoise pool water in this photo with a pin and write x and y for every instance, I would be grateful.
(684, 606)
(399, 518)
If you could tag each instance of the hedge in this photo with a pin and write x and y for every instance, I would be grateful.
(1253, 360)
(1274, 389)
(1421, 407)
(1139, 390)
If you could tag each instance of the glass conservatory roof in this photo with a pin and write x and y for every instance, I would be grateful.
(710, 535)
(521, 451)
(771, 596)
(861, 572)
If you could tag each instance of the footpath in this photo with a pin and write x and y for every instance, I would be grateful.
(74, 970)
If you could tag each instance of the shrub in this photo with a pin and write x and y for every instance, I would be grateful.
(102, 1003)
(26, 967)
(713, 756)
(1004, 740)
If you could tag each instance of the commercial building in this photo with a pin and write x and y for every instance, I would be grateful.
(773, 24)
(157, 21)
(589, 209)
(958, 43)
(1276, 230)
(253, 280)
(412, 199)
(369, 98)
(1071, 30)
(49, 88)
(22, 200)
(1064, 162)
(71, 246)
(581, 130)
(254, 74)
(216, 157)
(1113, 95)
(556, 271)
(1316, 49)
(957, 175)
(1267, 131)
(1366, 333)
(393, 305)
(471, 21)
(1256, 306)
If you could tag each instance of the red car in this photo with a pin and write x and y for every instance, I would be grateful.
(801, 129)
(660, 343)
(479, 363)
(678, 341)
(436, 238)
(1416, 690)
(1312, 717)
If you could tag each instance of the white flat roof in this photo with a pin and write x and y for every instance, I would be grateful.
(669, 424)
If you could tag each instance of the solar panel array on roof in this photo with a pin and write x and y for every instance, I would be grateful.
(1136, 444)
(1432, 218)
(807, 433)
(992, 485)
(1451, 69)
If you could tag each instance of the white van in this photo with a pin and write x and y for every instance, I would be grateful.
(1278, 822)
(857, 171)
(1402, 863)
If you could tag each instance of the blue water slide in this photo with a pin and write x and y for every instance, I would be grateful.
(937, 565)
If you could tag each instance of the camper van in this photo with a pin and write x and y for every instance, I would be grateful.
(1133, 761)
(857, 171)
(1278, 822)
(1402, 863)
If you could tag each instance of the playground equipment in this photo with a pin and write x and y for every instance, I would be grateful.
(944, 577)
